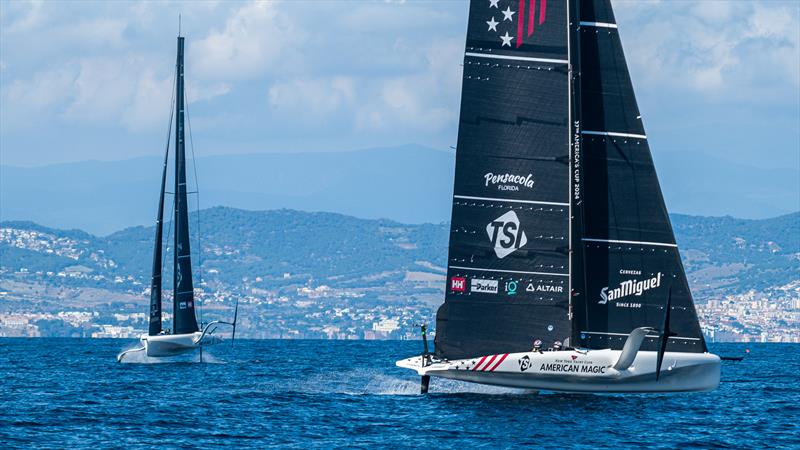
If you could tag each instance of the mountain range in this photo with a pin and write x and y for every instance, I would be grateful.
(722, 255)
(407, 184)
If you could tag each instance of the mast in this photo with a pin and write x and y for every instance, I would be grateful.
(576, 267)
(183, 298)
(155, 279)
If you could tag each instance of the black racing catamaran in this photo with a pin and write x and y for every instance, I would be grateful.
(563, 271)
(185, 336)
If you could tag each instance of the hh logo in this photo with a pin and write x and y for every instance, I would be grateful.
(458, 284)
(506, 234)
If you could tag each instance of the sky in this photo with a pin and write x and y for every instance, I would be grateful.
(718, 82)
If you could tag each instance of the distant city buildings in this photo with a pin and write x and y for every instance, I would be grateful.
(108, 302)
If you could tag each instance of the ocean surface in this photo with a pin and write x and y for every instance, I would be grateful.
(71, 393)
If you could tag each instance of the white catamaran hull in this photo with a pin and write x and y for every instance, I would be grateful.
(580, 371)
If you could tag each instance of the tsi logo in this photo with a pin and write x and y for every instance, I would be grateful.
(506, 234)
(483, 286)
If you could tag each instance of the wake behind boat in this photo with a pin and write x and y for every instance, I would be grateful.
(185, 336)
(563, 271)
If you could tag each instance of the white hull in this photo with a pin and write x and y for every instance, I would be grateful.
(170, 344)
(580, 371)
(164, 345)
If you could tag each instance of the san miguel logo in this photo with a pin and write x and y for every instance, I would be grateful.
(629, 287)
(522, 15)
(508, 181)
(506, 234)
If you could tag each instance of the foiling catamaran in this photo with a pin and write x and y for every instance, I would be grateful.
(563, 272)
(185, 335)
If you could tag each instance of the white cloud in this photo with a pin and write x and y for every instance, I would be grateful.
(317, 96)
(127, 90)
(102, 88)
(147, 106)
(722, 50)
(44, 91)
(253, 36)
(25, 15)
(424, 99)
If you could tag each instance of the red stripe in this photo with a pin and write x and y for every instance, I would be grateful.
(479, 363)
(543, 12)
(530, 18)
(498, 362)
(488, 363)
(520, 22)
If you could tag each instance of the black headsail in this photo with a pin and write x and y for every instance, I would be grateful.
(183, 298)
(508, 271)
(155, 279)
(626, 260)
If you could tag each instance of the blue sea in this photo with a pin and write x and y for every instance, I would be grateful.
(71, 393)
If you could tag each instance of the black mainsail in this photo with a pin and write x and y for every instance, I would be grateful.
(508, 259)
(155, 279)
(559, 230)
(183, 298)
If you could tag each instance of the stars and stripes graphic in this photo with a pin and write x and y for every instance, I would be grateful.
(523, 20)
(488, 363)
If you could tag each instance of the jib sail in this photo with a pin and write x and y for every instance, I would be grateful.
(508, 268)
(183, 299)
(627, 262)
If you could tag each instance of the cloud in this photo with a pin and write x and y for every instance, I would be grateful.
(368, 72)
(253, 36)
(22, 99)
(24, 15)
(424, 99)
(317, 96)
(722, 50)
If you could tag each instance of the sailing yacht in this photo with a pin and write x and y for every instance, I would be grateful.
(563, 272)
(186, 335)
